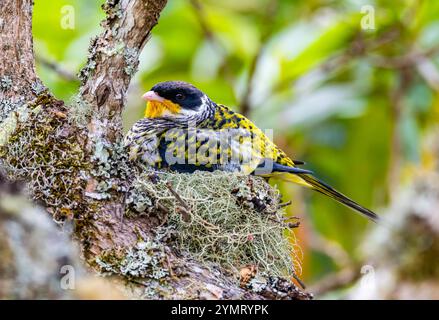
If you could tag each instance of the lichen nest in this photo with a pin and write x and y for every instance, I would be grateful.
(230, 219)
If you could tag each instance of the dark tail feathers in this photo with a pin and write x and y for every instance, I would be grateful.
(327, 190)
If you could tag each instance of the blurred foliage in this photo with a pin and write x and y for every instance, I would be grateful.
(353, 102)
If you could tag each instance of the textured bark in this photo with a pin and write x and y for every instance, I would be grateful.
(115, 54)
(113, 60)
(82, 148)
(35, 256)
(18, 80)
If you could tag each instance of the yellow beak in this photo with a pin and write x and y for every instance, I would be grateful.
(157, 106)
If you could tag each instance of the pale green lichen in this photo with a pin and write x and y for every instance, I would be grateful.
(131, 60)
(118, 48)
(5, 83)
(140, 202)
(6, 107)
(144, 263)
(7, 119)
(257, 284)
(89, 68)
(145, 260)
(37, 87)
(229, 219)
(87, 71)
(80, 112)
(42, 149)
(110, 168)
(112, 9)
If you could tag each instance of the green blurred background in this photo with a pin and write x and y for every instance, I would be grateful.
(351, 96)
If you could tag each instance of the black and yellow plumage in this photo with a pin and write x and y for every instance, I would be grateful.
(184, 130)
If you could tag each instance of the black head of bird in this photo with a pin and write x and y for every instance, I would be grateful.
(174, 98)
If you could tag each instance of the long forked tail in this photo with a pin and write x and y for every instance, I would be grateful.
(327, 190)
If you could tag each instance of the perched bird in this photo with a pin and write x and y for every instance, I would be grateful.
(184, 130)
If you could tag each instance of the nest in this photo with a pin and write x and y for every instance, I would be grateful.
(226, 218)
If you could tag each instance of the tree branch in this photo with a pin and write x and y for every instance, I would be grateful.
(18, 80)
(113, 58)
(58, 69)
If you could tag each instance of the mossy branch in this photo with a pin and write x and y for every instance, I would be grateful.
(113, 55)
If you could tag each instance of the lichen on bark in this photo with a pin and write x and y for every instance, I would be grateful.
(230, 219)
(43, 149)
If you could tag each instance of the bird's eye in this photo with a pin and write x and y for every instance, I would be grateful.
(179, 96)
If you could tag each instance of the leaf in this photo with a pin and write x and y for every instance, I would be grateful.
(331, 40)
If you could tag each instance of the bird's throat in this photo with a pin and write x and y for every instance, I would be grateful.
(155, 109)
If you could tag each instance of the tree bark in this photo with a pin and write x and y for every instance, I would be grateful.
(113, 60)
(18, 79)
